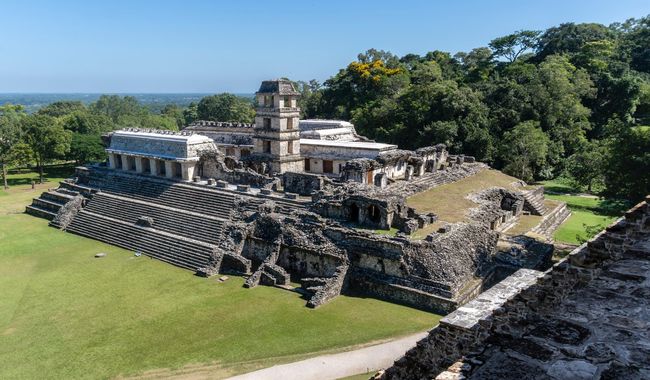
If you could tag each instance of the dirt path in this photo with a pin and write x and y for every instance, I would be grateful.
(336, 366)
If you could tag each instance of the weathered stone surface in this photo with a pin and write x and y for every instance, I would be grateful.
(579, 319)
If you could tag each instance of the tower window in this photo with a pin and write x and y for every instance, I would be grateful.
(267, 146)
(267, 122)
(290, 123)
(287, 101)
(290, 147)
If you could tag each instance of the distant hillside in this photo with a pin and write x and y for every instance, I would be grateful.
(155, 102)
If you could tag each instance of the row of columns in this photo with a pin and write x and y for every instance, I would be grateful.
(164, 168)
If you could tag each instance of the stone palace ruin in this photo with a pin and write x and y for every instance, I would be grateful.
(287, 201)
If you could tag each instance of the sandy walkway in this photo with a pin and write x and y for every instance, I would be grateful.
(335, 366)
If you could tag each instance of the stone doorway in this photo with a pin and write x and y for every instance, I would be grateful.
(354, 213)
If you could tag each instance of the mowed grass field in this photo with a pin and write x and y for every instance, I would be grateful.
(67, 315)
(589, 215)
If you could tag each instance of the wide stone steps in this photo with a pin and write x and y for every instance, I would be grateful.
(187, 198)
(186, 253)
(40, 212)
(47, 205)
(179, 222)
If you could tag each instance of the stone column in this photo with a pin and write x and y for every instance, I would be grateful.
(188, 170)
(185, 175)
(138, 164)
(168, 169)
(153, 166)
(125, 162)
(111, 160)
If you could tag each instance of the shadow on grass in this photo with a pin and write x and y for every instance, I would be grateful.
(24, 176)
(605, 207)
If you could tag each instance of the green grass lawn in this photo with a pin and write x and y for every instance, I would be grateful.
(589, 215)
(65, 314)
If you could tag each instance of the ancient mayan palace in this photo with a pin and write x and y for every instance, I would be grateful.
(287, 201)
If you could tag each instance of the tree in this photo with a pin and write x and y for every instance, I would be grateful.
(190, 114)
(172, 111)
(10, 116)
(524, 150)
(226, 107)
(86, 148)
(477, 64)
(117, 108)
(628, 164)
(513, 45)
(570, 38)
(84, 122)
(62, 108)
(47, 139)
(585, 167)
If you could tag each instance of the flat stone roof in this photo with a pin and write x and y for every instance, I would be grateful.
(172, 136)
(349, 144)
(315, 123)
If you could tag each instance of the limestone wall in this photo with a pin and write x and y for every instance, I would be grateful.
(522, 295)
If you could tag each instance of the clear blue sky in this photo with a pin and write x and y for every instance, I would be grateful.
(215, 46)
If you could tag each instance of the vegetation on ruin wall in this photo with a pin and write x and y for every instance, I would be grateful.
(537, 104)
(66, 315)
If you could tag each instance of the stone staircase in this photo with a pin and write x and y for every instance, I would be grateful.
(49, 202)
(174, 222)
(204, 201)
(551, 221)
(177, 250)
(180, 222)
(534, 201)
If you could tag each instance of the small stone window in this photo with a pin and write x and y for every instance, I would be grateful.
(267, 122)
(307, 165)
(290, 123)
(287, 101)
(267, 146)
(290, 147)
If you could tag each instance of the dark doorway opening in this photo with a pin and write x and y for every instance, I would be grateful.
(374, 214)
(354, 213)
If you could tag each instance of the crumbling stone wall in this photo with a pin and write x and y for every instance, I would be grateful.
(497, 206)
(524, 295)
(302, 183)
(212, 164)
(68, 211)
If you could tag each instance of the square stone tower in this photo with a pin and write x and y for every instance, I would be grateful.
(276, 125)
